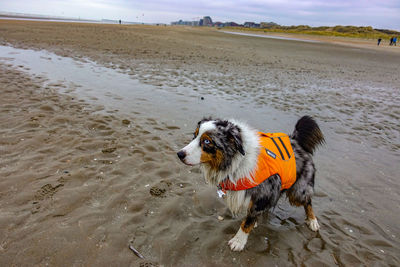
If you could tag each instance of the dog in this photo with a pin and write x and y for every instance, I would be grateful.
(253, 169)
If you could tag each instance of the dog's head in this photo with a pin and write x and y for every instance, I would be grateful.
(215, 142)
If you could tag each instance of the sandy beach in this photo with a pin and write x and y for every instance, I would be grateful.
(92, 115)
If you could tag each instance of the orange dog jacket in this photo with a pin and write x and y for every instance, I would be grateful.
(276, 157)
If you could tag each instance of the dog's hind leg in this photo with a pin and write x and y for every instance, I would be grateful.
(301, 192)
(297, 199)
(311, 221)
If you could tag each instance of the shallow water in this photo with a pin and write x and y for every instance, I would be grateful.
(118, 91)
(56, 20)
(357, 184)
(272, 37)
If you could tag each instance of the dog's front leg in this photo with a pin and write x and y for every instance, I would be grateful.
(238, 242)
(263, 197)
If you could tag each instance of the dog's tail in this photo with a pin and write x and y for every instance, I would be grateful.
(308, 134)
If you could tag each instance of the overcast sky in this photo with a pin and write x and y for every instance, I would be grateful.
(376, 13)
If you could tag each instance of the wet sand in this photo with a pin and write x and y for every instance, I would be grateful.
(344, 41)
(88, 171)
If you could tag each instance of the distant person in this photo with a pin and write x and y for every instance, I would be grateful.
(394, 40)
(391, 41)
(379, 41)
(119, 22)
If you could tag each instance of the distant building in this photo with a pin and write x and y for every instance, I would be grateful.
(207, 21)
(231, 24)
(248, 24)
(269, 25)
(187, 23)
(251, 25)
(218, 24)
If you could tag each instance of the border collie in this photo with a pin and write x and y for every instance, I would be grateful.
(253, 169)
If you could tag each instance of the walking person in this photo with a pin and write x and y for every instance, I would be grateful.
(379, 41)
(391, 41)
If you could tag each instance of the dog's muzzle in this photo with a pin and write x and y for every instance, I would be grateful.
(181, 155)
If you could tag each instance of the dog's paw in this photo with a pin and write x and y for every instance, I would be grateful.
(313, 224)
(238, 242)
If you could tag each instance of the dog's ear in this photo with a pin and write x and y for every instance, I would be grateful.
(232, 133)
(236, 137)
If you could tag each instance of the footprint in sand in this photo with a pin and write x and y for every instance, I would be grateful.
(44, 192)
(160, 189)
(47, 191)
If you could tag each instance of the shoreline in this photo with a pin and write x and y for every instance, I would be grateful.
(65, 20)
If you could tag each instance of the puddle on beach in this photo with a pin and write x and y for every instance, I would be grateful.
(357, 191)
(118, 91)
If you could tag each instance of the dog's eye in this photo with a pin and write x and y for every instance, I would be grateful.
(206, 142)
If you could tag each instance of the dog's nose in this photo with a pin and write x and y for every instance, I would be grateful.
(181, 154)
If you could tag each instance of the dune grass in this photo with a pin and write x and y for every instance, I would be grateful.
(339, 31)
